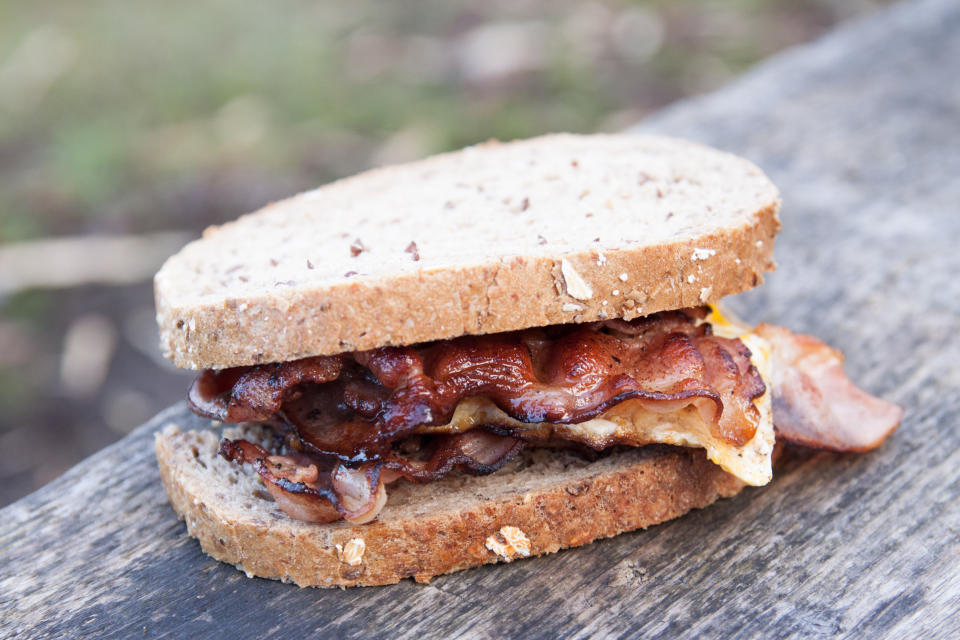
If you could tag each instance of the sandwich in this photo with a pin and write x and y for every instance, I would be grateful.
(484, 356)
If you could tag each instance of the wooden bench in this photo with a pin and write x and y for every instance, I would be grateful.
(862, 132)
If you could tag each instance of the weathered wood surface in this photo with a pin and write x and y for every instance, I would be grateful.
(862, 132)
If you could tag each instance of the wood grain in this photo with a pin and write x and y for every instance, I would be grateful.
(861, 131)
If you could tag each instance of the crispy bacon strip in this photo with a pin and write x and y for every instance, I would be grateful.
(305, 487)
(355, 407)
(477, 452)
(345, 415)
(311, 489)
(814, 402)
(251, 394)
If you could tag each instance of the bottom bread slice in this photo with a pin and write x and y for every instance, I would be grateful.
(542, 501)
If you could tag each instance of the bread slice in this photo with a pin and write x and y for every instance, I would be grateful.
(541, 502)
(496, 237)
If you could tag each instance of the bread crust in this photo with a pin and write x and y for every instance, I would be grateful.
(496, 294)
(421, 533)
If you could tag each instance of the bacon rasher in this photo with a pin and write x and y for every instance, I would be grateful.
(347, 419)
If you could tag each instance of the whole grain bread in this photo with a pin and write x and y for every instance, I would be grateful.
(541, 502)
(496, 237)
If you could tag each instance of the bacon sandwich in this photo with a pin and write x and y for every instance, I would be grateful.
(486, 355)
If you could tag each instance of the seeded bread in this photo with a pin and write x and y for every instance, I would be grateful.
(541, 502)
(495, 237)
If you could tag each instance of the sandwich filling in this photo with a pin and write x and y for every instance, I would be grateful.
(348, 424)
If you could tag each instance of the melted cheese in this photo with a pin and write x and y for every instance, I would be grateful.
(756, 457)
(631, 422)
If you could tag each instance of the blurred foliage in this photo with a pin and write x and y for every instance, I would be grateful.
(108, 107)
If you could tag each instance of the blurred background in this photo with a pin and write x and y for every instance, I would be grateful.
(126, 128)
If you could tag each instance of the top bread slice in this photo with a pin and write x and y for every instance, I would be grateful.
(495, 237)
